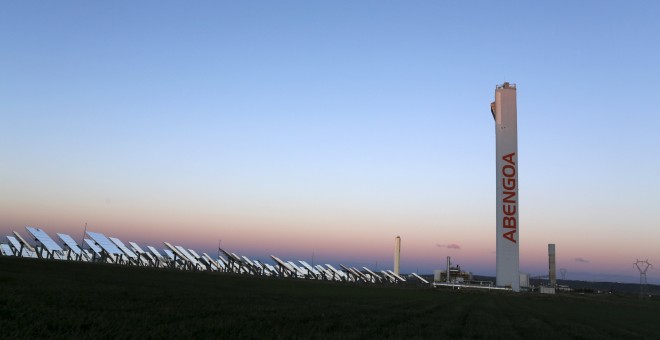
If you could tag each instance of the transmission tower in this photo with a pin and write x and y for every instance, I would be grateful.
(562, 271)
(643, 266)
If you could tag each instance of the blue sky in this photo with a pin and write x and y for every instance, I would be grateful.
(331, 127)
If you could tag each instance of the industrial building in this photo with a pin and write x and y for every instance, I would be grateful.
(452, 274)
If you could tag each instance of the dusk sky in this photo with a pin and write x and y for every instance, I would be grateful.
(330, 127)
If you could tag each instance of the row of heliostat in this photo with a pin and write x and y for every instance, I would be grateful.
(99, 248)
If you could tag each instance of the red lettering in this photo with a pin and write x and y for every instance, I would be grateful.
(509, 158)
(510, 236)
(509, 183)
(509, 209)
(509, 197)
(511, 168)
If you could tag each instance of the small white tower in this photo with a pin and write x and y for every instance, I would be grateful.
(397, 254)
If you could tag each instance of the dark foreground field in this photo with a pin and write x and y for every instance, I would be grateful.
(45, 299)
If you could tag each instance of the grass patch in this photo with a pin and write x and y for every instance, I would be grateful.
(46, 299)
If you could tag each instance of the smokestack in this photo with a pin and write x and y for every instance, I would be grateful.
(553, 269)
(448, 267)
(397, 254)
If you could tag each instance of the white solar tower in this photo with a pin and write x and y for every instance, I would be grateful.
(507, 236)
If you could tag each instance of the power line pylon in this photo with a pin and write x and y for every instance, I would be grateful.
(562, 271)
(643, 266)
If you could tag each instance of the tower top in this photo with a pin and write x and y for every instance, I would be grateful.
(506, 85)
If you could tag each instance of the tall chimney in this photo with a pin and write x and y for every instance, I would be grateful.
(448, 268)
(397, 254)
(553, 269)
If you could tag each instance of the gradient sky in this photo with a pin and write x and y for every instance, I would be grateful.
(330, 127)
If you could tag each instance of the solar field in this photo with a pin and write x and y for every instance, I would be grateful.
(98, 248)
(43, 298)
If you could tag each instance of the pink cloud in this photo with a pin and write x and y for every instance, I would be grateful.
(449, 246)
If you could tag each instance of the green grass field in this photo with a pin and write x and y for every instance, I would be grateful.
(46, 299)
